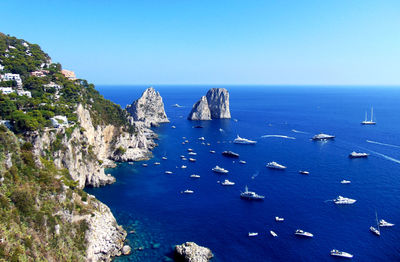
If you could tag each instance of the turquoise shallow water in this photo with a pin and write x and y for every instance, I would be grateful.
(149, 202)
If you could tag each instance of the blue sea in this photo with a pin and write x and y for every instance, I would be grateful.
(150, 202)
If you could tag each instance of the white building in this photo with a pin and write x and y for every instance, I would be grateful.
(25, 44)
(59, 121)
(1, 67)
(12, 77)
(6, 90)
(53, 85)
(7, 123)
(22, 92)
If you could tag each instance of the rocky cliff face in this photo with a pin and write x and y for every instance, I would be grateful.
(149, 108)
(214, 105)
(191, 252)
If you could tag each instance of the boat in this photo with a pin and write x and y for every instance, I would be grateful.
(164, 158)
(212, 151)
(192, 153)
(144, 165)
(194, 176)
(218, 169)
(227, 183)
(273, 233)
(279, 219)
(190, 150)
(253, 234)
(130, 163)
(369, 122)
(156, 163)
(202, 138)
(358, 155)
(183, 143)
(192, 160)
(376, 230)
(182, 156)
(186, 141)
(383, 223)
(344, 201)
(188, 191)
(304, 172)
(208, 144)
(168, 172)
(322, 136)
(176, 105)
(344, 181)
(242, 162)
(230, 154)
(251, 195)
(173, 127)
(245, 141)
(275, 165)
(183, 166)
(337, 253)
(302, 233)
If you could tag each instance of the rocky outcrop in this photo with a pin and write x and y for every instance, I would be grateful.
(214, 105)
(149, 108)
(191, 252)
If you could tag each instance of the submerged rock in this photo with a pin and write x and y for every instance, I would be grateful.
(214, 105)
(191, 252)
(149, 108)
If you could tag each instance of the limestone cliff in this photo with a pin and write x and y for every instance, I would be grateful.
(149, 108)
(214, 105)
(191, 252)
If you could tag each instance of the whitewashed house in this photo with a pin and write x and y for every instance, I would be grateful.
(22, 92)
(1, 67)
(12, 77)
(7, 123)
(6, 90)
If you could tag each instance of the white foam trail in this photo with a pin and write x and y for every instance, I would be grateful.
(255, 175)
(301, 132)
(382, 144)
(281, 136)
(221, 130)
(387, 157)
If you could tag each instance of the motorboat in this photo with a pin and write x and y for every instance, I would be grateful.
(376, 230)
(358, 155)
(164, 158)
(245, 141)
(182, 156)
(190, 150)
(273, 233)
(251, 195)
(304, 172)
(183, 166)
(230, 154)
(184, 159)
(212, 151)
(323, 137)
(218, 169)
(337, 253)
(275, 165)
(253, 234)
(344, 181)
(192, 153)
(279, 219)
(242, 162)
(302, 233)
(156, 163)
(383, 223)
(130, 163)
(202, 138)
(168, 172)
(188, 191)
(176, 105)
(227, 183)
(192, 160)
(194, 176)
(369, 122)
(173, 127)
(344, 201)
(144, 165)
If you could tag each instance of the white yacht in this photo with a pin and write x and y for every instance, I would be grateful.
(189, 149)
(369, 122)
(344, 181)
(202, 138)
(377, 230)
(275, 165)
(156, 163)
(192, 153)
(300, 232)
(182, 156)
(303, 172)
(241, 140)
(212, 151)
(383, 223)
(186, 141)
(253, 234)
(144, 165)
(173, 127)
(218, 169)
(227, 183)
(322, 137)
(279, 219)
(344, 201)
(130, 163)
(168, 172)
(242, 162)
(273, 233)
(192, 160)
(183, 142)
(251, 195)
(337, 253)
(183, 166)
(194, 176)
(184, 159)
(358, 155)
(188, 191)
(164, 158)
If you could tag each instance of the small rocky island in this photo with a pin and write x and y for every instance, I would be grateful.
(214, 105)
(191, 252)
(149, 108)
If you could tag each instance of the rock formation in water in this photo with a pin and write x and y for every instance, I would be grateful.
(214, 105)
(191, 252)
(149, 108)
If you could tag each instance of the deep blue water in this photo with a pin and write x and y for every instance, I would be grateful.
(149, 201)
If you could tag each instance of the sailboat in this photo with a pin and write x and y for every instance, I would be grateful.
(374, 230)
(369, 122)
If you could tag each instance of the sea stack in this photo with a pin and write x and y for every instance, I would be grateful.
(191, 252)
(214, 105)
(149, 108)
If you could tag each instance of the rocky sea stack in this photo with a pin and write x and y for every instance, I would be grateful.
(149, 108)
(214, 105)
(191, 252)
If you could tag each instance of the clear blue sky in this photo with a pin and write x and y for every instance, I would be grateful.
(330, 42)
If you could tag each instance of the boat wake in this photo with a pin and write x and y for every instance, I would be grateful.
(281, 136)
(300, 132)
(255, 175)
(387, 157)
(382, 144)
